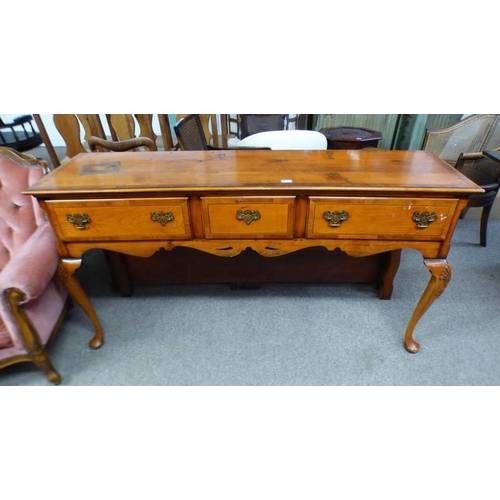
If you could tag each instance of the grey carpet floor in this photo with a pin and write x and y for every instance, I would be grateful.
(287, 334)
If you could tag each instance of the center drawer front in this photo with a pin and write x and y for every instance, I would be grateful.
(126, 220)
(380, 218)
(249, 217)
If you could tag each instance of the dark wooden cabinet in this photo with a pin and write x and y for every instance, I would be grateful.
(351, 137)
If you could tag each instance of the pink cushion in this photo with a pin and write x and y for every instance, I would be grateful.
(28, 257)
(5, 339)
(20, 214)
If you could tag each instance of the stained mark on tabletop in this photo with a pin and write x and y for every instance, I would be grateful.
(101, 168)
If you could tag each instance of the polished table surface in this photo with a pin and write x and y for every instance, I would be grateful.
(363, 202)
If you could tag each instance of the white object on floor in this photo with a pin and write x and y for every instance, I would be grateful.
(286, 140)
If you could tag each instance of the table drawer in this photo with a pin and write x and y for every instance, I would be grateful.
(114, 220)
(249, 217)
(380, 218)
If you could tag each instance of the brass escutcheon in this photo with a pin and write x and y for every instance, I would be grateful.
(335, 218)
(423, 219)
(248, 216)
(162, 217)
(79, 221)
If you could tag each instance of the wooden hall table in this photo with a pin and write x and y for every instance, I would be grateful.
(362, 202)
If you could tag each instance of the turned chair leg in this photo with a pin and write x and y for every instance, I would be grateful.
(484, 224)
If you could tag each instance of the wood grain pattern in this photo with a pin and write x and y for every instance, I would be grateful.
(384, 218)
(309, 172)
(69, 128)
(275, 217)
(121, 219)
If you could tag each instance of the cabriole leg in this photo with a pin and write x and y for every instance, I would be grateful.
(67, 269)
(440, 277)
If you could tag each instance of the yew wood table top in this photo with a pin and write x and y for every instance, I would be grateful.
(363, 202)
(245, 170)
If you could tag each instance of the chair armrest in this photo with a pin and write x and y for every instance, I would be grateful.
(125, 145)
(463, 157)
(490, 187)
(33, 266)
(22, 119)
(470, 156)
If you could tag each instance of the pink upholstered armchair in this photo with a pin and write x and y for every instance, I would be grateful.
(32, 301)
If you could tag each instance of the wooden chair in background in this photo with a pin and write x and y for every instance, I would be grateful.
(485, 173)
(473, 134)
(243, 125)
(192, 134)
(71, 127)
(97, 144)
(19, 134)
(461, 145)
(253, 124)
(123, 127)
(77, 129)
(215, 129)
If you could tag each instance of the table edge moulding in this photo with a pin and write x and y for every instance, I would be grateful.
(362, 202)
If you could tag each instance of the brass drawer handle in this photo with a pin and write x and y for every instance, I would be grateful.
(162, 217)
(335, 218)
(79, 221)
(423, 219)
(248, 216)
